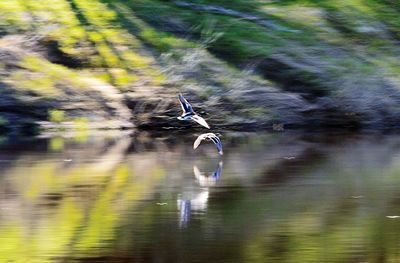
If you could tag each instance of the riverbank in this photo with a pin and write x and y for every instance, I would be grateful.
(89, 64)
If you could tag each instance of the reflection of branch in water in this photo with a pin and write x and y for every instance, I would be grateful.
(188, 202)
(103, 203)
(113, 156)
(208, 180)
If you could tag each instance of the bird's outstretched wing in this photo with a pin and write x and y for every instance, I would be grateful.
(198, 140)
(218, 143)
(200, 121)
(186, 107)
(214, 138)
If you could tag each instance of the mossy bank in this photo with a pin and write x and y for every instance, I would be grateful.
(83, 64)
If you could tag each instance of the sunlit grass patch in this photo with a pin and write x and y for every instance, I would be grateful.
(243, 40)
(112, 35)
(13, 16)
(85, 29)
(121, 77)
(117, 49)
(157, 78)
(38, 83)
(135, 60)
(163, 42)
(43, 77)
(57, 73)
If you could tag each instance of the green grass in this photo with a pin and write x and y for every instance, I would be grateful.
(119, 41)
(242, 40)
(89, 31)
(43, 77)
(362, 29)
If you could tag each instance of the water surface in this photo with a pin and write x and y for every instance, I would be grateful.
(281, 197)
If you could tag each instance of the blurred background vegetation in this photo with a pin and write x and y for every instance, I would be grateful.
(118, 64)
(85, 65)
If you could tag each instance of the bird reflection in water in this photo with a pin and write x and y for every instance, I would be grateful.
(196, 199)
(208, 180)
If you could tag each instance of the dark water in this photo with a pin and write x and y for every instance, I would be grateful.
(279, 197)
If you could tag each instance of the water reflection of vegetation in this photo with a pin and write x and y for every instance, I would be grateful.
(58, 209)
(333, 209)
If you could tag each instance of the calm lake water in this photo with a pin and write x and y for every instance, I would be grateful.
(280, 197)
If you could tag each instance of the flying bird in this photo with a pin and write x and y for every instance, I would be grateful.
(189, 114)
(209, 137)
